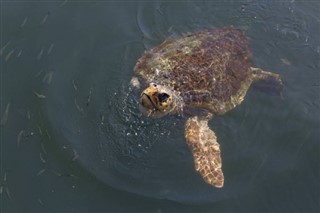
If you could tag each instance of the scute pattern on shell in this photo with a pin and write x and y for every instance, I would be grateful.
(206, 68)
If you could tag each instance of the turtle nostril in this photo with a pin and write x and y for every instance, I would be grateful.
(163, 96)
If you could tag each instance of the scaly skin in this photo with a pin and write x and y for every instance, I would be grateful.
(200, 75)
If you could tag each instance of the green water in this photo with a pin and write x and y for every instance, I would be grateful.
(73, 139)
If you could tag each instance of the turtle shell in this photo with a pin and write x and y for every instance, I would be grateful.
(208, 69)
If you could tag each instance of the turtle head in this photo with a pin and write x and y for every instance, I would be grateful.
(157, 101)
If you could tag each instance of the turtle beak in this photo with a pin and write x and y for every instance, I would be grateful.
(156, 101)
(148, 101)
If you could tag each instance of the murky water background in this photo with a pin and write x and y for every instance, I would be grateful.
(73, 139)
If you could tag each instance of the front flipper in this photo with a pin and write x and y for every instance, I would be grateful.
(205, 150)
(135, 83)
(267, 82)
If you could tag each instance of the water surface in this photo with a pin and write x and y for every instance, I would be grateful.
(73, 139)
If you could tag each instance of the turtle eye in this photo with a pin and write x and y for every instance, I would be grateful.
(163, 97)
(154, 85)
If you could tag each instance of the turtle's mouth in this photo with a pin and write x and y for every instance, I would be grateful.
(156, 101)
(148, 101)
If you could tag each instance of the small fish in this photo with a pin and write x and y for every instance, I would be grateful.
(63, 3)
(4, 47)
(24, 21)
(102, 120)
(28, 114)
(19, 137)
(75, 155)
(43, 149)
(19, 53)
(5, 177)
(45, 18)
(74, 85)
(9, 55)
(40, 131)
(48, 135)
(4, 118)
(89, 97)
(56, 173)
(42, 158)
(39, 73)
(41, 172)
(71, 175)
(41, 96)
(40, 54)
(48, 77)
(50, 48)
(160, 11)
(40, 201)
(8, 193)
(77, 105)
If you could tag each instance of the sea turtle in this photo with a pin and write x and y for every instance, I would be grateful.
(199, 76)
